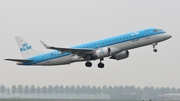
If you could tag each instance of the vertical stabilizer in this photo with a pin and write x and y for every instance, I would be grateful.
(25, 48)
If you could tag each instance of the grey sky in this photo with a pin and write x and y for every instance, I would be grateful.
(66, 23)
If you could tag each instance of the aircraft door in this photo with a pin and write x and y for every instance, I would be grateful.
(47, 58)
(98, 45)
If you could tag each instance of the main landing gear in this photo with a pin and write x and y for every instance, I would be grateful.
(88, 64)
(154, 47)
(100, 64)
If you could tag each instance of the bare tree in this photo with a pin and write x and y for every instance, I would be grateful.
(14, 89)
(56, 90)
(38, 90)
(26, 90)
(78, 90)
(173, 90)
(44, 90)
(61, 90)
(8, 91)
(105, 89)
(2, 89)
(94, 90)
(72, 90)
(20, 89)
(50, 90)
(99, 90)
(32, 90)
(67, 90)
(88, 89)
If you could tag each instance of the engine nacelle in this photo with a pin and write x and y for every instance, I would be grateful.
(106, 52)
(121, 55)
(103, 52)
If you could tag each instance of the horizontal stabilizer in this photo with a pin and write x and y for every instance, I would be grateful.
(19, 60)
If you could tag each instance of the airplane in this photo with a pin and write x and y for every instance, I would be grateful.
(116, 48)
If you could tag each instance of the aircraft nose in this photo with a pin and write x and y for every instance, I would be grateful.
(168, 36)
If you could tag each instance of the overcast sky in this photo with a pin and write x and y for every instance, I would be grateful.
(66, 23)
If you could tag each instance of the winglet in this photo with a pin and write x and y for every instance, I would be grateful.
(44, 44)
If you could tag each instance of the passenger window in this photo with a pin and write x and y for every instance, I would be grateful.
(116, 39)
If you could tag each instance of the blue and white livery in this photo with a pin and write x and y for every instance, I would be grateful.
(115, 48)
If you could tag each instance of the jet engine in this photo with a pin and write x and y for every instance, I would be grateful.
(103, 52)
(106, 52)
(121, 55)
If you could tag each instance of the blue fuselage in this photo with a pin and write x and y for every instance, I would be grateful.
(124, 42)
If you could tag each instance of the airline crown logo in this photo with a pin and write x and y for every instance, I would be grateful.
(25, 47)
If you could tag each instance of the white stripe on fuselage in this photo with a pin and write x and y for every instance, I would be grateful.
(123, 46)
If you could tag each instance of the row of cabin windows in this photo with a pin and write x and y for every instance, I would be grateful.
(109, 41)
(158, 30)
(55, 54)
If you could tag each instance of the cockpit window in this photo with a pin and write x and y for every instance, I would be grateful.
(160, 29)
(155, 30)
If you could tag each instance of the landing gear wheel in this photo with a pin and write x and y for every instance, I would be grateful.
(155, 50)
(154, 47)
(88, 64)
(100, 65)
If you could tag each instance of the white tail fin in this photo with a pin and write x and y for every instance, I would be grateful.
(25, 48)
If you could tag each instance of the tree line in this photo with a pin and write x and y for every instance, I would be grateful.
(115, 92)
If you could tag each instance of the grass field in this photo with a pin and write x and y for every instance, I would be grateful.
(69, 100)
(54, 100)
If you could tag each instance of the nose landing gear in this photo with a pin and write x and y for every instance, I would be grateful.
(155, 50)
(154, 47)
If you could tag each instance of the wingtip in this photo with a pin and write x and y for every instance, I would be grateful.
(43, 43)
(6, 59)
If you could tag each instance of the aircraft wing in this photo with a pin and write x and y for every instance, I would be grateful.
(72, 50)
(20, 60)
